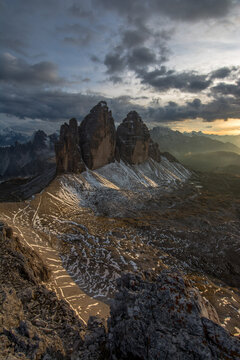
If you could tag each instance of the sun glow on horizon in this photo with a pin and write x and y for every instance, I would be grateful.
(218, 127)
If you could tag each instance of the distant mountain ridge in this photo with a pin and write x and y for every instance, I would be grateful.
(218, 161)
(234, 139)
(179, 144)
(29, 158)
(9, 137)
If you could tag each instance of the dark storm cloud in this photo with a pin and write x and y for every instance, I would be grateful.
(186, 10)
(220, 108)
(115, 61)
(222, 72)
(138, 48)
(227, 89)
(57, 105)
(163, 80)
(133, 37)
(141, 57)
(191, 10)
(18, 71)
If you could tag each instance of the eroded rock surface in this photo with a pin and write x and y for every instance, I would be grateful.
(68, 151)
(133, 139)
(158, 317)
(96, 143)
(98, 137)
(165, 319)
(34, 324)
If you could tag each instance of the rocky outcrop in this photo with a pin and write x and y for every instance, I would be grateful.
(133, 139)
(98, 137)
(34, 324)
(154, 151)
(68, 151)
(155, 317)
(165, 319)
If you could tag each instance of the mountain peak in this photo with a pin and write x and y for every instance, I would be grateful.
(98, 143)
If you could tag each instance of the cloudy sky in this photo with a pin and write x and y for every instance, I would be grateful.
(176, 62)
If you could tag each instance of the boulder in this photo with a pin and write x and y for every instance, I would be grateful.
(133, 139)
(68, 151)
(98, 137)
(165, 318)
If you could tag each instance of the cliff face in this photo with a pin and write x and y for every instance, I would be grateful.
(96, 142)
(98, 137)
(68, 151)
(133, 139)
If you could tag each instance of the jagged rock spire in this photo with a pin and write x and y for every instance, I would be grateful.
(68, 151)
(133, 139)
(98, 137)
(96, 143)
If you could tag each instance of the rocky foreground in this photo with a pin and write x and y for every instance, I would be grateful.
(155, 317)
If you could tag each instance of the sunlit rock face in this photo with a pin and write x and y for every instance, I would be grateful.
(98, 137)
(133, 139)
(68, 151)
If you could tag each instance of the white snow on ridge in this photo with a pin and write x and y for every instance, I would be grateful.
(126, 177)
(121, 179)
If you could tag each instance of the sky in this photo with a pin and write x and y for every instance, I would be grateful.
(176, 62)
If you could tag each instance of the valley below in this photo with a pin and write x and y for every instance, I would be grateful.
(90, 234)
(115, 250)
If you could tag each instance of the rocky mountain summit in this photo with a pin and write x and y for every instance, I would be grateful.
(96, 142)
(98, 137)
(133, 139)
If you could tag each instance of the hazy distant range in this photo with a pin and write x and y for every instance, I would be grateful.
(199, 151)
